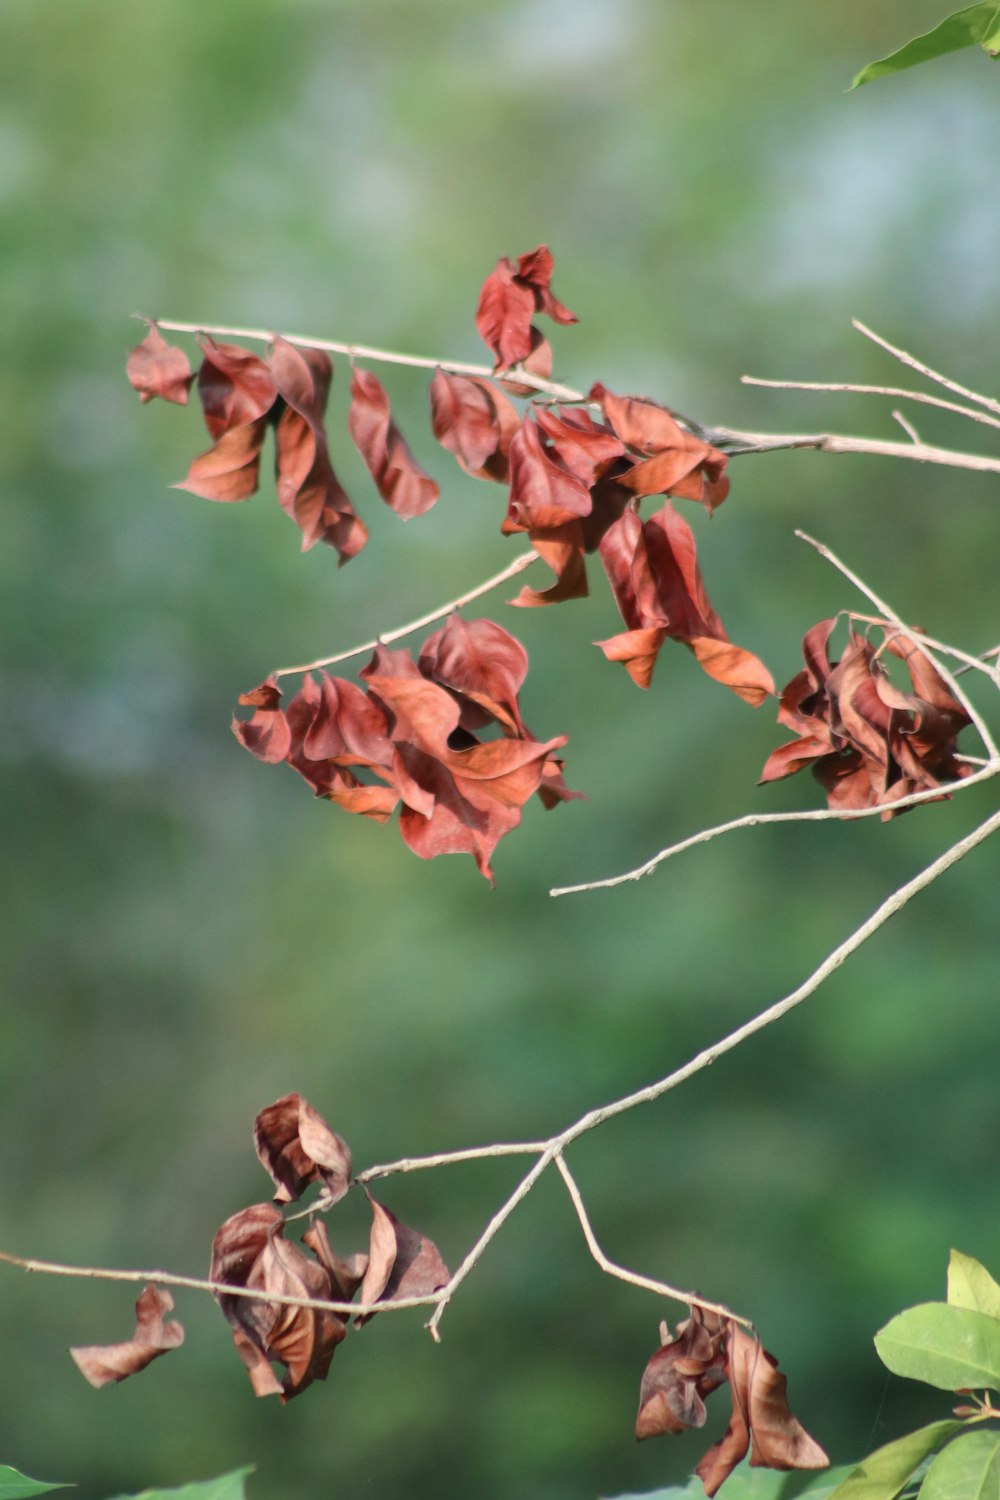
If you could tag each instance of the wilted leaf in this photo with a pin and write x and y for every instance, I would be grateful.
(401, 1262)
(679, 1375)
(266, 735)
(953, 1348)
(882, 1474)
(345, 1275)
(103, 1364)
(971, 1285)
(974, 26)
(156, 368)
(676, 462)
(509, 298)
(401, 481)
(543, 492)
(474, 420)
(482, 663)
(296, 1146)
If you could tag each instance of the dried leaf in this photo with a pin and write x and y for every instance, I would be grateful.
(156, 368)
(474, 420)
(543, 492)
(401, 1262)
(509, 298)
(401, 481)
(296, 1146)
(677, 462)
(103, 1364)
(266, 735)
(481, 663)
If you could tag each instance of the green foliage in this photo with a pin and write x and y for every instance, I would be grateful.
(227, 1487)
(15, 1486)
(974, 26)
(746, 1483)
(954, 1345)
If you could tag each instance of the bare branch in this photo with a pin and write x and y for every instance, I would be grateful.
(756, 820)
(925, 370)
(850, 388)
(522, 561)
(449, 1158)
(632, 1277)
(832, 442)
(908, 427)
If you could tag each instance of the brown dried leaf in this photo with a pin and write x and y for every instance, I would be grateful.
(678, 463)
(480, 662)
(401, 481)
(508, 299)
(345, 1275)
(543, 493)
(475, 421)
(156, 368)
(104, 1364)
(401, 1262)
(296, 1146)
(266, 735)
(684, 1370)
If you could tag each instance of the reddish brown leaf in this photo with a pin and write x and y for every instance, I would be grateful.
(103, 1364)
(473, 419)
(509, 297)
(266, 735)
(678, 463)
(156, 368)
(543, 494)
(296, 1146)
(229, 470)
(308, 489)
(587, 448)
(401, 1262)
(684, 1370)
(401, 481)
(561, 549)
(235, 386)
(481, 662)
(345, 1275)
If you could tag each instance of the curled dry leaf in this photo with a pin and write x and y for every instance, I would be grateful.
(296, 1147)
(704, 1353)
(401, 1262)
(415, 734)
(509, 298)
(868, 742)
(250, 1251)
(156, 368)
(401, 481)
(103, 1364)
(656, 580)
(672, 461)
(475, 421)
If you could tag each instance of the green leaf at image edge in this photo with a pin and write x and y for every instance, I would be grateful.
(15, 1486)
(953, 1348)
(975, 26)
(746, 1483)
(226, 1487)
(967, 1470)
(883, 1473)
(971, 1285)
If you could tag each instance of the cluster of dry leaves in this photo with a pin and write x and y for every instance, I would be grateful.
(412, 732)
(576, 475)
(705, 1352)
(250, 1252)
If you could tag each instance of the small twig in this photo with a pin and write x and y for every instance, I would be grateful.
(969, 662)
(925, 370)
(632, 1277)
(890, 614)
(908, 427)
(832, 442)
(522, 561)
(850, 388)
(449, 1158)
(757, 820)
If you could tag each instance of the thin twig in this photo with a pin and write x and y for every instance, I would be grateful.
(850, 388)
(758, 820)
(381, 356)
(969, 662)
(449, 1158)
(632, 1277)
(522, 561)
(832, 442)
(890, 614)
(908, 427)
(925, 370)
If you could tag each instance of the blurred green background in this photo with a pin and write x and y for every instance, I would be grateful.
(187, 935)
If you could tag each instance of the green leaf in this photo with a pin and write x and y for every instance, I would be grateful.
(975, 26)
(15, 1486)
(226, 1487)
(971, 1285)
(968, 1470)
(952, 1348)
(746, 1483)
(883, 1473)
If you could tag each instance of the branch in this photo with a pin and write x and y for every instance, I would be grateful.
(613, 1269)
(743, 442)
(520, 562)
(872, 390)
(925, 370)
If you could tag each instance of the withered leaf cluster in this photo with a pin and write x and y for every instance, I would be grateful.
(868, 742)
(251, 1251)
(508, 300)
(243, 395)
(409, 737)
(704, 1353)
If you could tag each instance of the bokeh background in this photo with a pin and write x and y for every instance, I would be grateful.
(187, 935)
